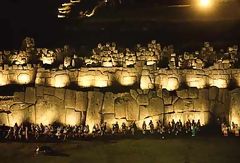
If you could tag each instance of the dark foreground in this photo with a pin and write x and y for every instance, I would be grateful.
(204, 149)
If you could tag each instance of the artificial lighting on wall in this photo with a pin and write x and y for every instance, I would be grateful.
(24, 78)
(61, 81)
(220, 83)
(3, 79)
(198, 82)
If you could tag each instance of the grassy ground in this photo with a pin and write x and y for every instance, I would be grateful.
(150, 150)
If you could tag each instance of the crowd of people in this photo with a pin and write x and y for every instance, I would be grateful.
(233, 129)
(63, 132)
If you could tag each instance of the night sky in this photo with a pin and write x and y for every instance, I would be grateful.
(38, 18)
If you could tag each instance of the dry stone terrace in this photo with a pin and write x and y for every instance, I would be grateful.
(192, 86)
(48, 105)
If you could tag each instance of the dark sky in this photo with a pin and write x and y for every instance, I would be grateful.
(25, 17)
(37, 18)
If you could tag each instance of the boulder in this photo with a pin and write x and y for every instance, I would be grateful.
(81, 101)
(70, 98)
(30, 95)
(108, 103)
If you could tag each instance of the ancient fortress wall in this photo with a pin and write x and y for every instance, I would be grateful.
(47, 105)
(146, 77)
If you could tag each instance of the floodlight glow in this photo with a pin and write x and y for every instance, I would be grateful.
(205, 3)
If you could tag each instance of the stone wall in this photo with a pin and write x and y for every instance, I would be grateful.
(48, 105)
(148, 77)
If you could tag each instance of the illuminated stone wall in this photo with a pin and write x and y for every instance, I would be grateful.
(48, 105)
(147, 77)
(17, 74)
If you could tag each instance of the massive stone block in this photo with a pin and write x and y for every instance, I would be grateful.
(156, 106)
(234, 106)
(49, 91)
(160, 93)
(183, 105)
(167, 98)
(30, 95)
(61, 80)
(49, 110)
(4, 118)
(109, 118)
(144, 112)
(120, 106)
(182, 93)
(202, 103)
(146, 83)
(94, 109)
(73, 117)
(21, 113)
(213, 93)
(223, 96)
(193, 93)
(168, 109)
(132, 109)
(142, 100)
(70, 98)
(134, 94)
(198, 81)
(19, 96)
(60, 93)
(108, 103)
(81, 101)
(39, 91)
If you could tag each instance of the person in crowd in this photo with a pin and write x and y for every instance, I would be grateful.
(124, 128)
(151, 126)
(15, 131)
(26, 133)
(144, 128)
(9, 133)
(225, 130)
(236, 132)
(50, 132)
(115, 128)
(103, 128)
(133, 128)
(86, 130)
